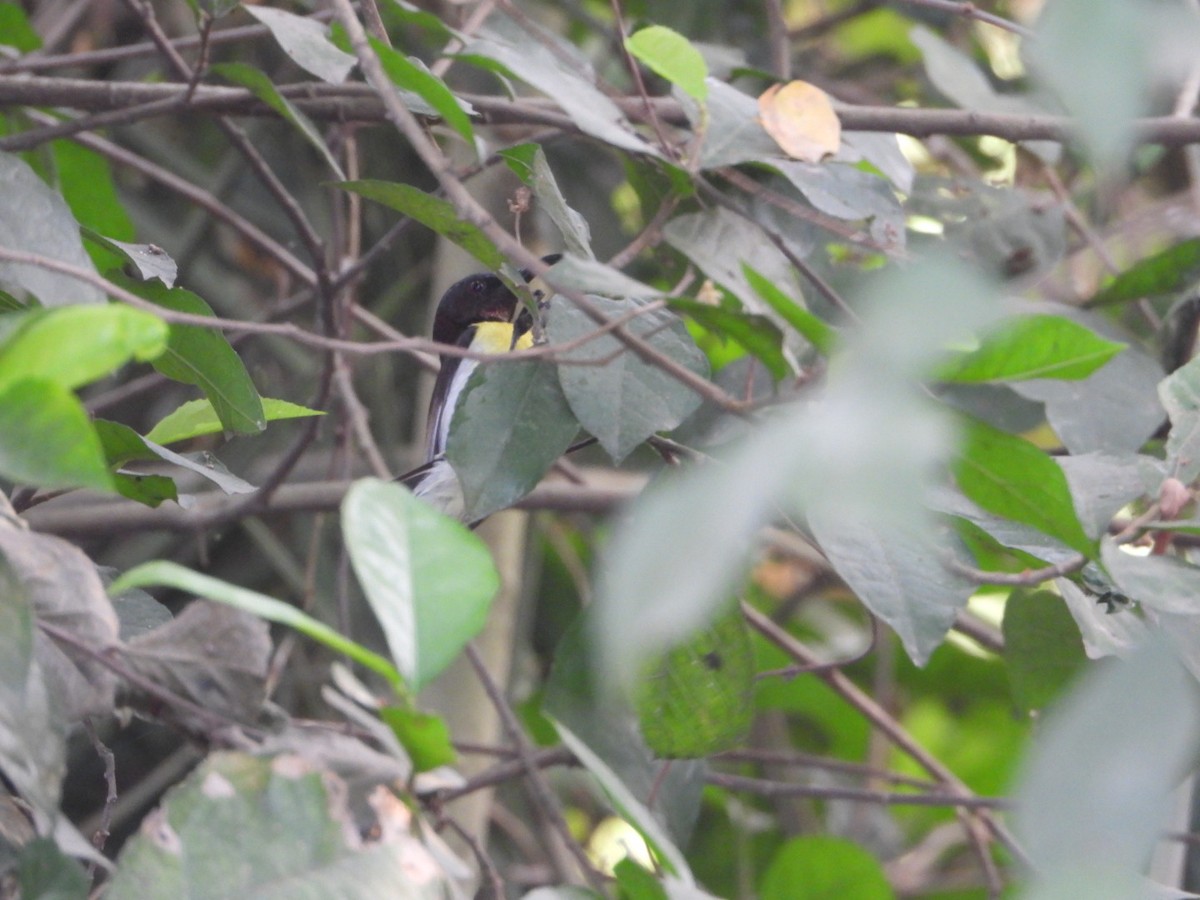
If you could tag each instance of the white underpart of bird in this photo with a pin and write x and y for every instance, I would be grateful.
(439, 485)
(440, 434)
(440, 488)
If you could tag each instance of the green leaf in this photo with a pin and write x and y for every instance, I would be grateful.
(864, 450)
(76, 345)
(822, 868)
(1032, 347)
(149, 490)
(626, 399)
(413, 75)
(429, 580)
(1011, 477)
(433, 213)
(755, 334)
(306, 41)
(425, 737)
(1165, 272)
(35, 219)
(16, 30)
(203, 357)
(695, 700)
(510, 425)
(262, 87)
(637, 883)
(122, 444)
(47, 438)
(86, 181)
(411, 14)
(197, 417)
(672, 56)
(815, 331)
(249, 826)
(528, 161)
(169, 574)
(46, 873)
(1043, 650)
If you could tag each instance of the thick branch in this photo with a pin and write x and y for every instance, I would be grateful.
(86, 519)
(357, 102)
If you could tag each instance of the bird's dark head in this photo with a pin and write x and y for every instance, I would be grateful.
(475, 299)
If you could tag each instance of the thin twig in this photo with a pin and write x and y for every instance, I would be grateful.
(357, 415)
(878, 717)
(101, 834)
(508, 770)
(220, 724)
(200, 197)
(639, 83)
(486, 865)
(649, 236)
(778, 40)
(971, 11)
(543, 798)
(768, 788)
(1028, 578)
(82, 59)
(789, 758)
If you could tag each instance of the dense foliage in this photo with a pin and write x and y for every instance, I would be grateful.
(873, 577)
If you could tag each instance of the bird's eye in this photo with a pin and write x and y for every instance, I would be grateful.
(477, 286)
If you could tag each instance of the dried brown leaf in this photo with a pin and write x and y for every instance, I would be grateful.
(800, 118)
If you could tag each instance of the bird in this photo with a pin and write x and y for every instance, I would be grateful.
(480, 313)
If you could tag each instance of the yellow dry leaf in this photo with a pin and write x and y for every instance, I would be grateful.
(800, 118)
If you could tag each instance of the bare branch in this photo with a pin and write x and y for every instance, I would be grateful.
(359, 103)
(90, 518)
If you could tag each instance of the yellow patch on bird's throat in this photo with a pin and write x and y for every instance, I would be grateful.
(497, 337)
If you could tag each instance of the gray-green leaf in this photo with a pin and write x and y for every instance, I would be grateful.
(626, 399)
(35, 219)
(510, 425)
(306, 41)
